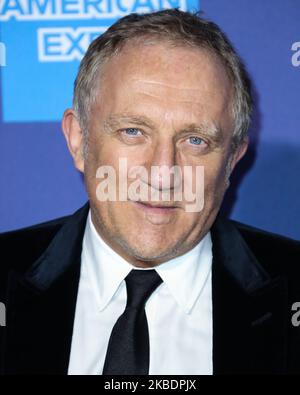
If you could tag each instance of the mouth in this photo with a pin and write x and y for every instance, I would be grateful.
(156, 208)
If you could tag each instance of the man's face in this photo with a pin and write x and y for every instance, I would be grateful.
(160, 105)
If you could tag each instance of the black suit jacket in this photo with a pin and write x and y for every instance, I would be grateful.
(256, 279)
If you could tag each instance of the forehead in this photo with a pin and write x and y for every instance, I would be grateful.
(173, 78)
(170, 63)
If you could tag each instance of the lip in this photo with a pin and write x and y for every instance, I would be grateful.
(155, 209)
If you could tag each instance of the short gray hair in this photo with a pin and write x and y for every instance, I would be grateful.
(176, 27)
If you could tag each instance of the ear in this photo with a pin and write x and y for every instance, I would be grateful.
(74, 137)
(238, 153)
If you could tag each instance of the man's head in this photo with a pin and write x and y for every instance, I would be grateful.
(161, 89)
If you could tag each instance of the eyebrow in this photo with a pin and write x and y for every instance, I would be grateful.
(116, 120)
(210, 129)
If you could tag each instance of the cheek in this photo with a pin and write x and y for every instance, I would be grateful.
(215, 181)
(108, 150)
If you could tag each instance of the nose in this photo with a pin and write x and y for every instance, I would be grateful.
(162, 165)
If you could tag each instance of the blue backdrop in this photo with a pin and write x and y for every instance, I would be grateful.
(41, 43)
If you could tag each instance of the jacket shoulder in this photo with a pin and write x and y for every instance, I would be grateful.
(278, 254)
(21, 247)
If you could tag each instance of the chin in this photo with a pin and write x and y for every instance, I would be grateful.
(154, 253)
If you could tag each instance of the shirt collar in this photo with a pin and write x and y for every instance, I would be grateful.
(184, 276)
(105, 268)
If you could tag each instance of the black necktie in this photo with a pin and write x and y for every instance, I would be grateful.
(128, 347)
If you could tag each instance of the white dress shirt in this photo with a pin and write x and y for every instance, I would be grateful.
(179, 311)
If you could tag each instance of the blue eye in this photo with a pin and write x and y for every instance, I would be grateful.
(132, 131)
(196, 140)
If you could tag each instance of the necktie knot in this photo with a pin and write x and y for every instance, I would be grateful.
(140, 285)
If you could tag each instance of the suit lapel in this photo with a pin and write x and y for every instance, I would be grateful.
(249, 308)
(41, 305)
